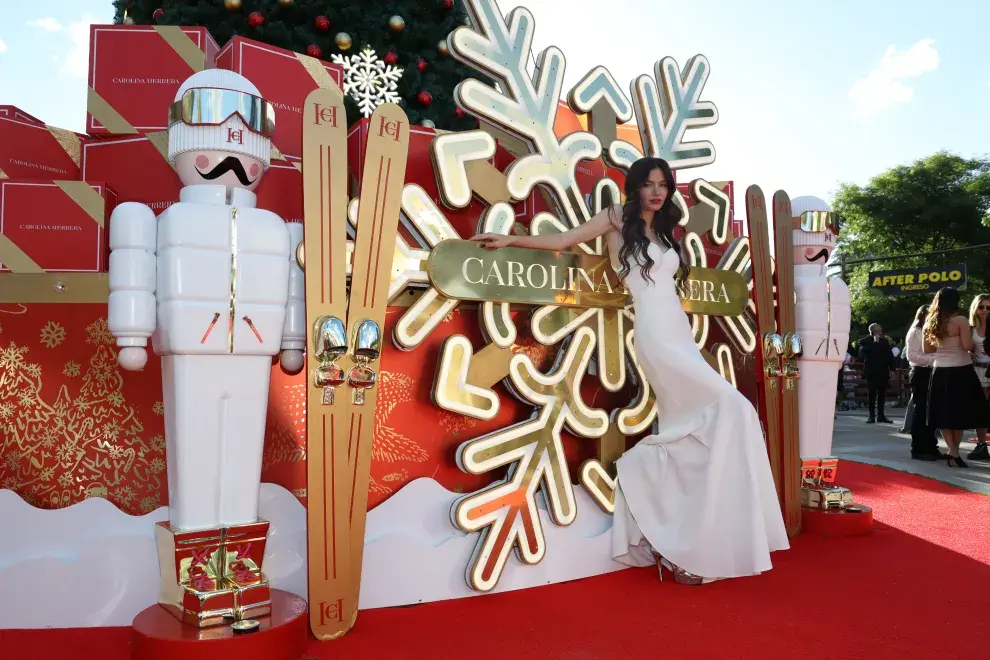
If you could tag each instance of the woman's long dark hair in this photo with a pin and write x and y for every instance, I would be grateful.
(635, 243)
(943, 308)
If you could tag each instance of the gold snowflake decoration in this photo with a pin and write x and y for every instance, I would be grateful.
(52, 335)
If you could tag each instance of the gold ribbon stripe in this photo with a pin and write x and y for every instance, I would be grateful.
(104, 113)
(317, 72)
(15, 259)
(69, 142)
(3, 175)
(159, 140)
(90, 201)
(183, 46)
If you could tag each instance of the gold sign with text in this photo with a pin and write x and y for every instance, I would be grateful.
(462, 270)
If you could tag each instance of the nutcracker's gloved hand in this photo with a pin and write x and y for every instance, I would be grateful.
(132, 358)
(291, 361)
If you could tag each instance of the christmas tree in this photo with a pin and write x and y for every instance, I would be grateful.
(407, 34)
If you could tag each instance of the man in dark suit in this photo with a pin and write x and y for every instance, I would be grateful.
(877, 357)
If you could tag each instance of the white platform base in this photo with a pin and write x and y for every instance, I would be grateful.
(92, 565)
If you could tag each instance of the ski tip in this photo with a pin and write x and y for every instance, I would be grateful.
(325, 97)
(389, 120)
(782, 203)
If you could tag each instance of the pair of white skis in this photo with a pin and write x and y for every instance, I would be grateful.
(346, 334)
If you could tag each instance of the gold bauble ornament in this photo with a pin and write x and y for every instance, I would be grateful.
(343, 41)
(232, 5)
(285, 3)
(396, 24)
(442, 48)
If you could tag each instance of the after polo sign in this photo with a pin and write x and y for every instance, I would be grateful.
(907, 281)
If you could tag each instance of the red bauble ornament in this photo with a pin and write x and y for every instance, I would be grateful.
(255, 19)
(421, 65)
(424, 98)
(449, 4)
(322, 23)
(314, 51)
(157, 14)
(391, 57)
(459, 112)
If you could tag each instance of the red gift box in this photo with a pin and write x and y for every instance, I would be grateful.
(419, 170)
(281, 191)
(136, 167)
(284, 79)
(29, 149)
(13, 112)
(50, 226)
(135, 71)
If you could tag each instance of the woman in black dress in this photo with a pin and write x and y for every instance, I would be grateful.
(955, 397)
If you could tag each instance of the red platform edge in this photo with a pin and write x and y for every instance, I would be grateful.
(837, 523)
(283, 635)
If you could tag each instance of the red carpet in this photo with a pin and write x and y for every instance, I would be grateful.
(918, 588)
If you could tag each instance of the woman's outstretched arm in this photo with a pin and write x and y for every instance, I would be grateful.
(604, 221)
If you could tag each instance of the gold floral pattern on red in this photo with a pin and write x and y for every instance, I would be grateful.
(67, 441)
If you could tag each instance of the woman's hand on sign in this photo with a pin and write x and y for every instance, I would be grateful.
(492, 241)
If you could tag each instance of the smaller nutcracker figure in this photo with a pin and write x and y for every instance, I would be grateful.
(214, 284)
(823, 318)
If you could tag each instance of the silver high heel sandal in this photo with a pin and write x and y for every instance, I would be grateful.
(680, 575)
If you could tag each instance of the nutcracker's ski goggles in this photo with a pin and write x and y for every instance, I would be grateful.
(815, 221)
(203, 106)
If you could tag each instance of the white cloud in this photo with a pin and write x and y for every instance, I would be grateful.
(77, 60)
(884, 86)
(3, 47)
(48, 23)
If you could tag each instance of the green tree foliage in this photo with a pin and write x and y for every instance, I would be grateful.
(292, 26)
(935, 203)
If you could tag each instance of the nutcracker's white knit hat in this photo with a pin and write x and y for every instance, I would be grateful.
(183, 138)
(804, 237)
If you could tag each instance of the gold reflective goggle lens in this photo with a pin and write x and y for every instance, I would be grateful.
(212, 107)
(817, 220)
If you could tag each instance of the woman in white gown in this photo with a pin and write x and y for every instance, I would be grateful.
(697, 498)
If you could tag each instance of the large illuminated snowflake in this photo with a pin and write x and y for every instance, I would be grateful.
(368, 80)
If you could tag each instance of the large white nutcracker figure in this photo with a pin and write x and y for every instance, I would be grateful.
(213, 282)
(823, 318)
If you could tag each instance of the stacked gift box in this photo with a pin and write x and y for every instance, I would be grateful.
(50, 220)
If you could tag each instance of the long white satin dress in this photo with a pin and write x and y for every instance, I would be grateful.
(699, 493)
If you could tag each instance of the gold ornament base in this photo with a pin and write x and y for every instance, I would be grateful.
(818, 489)
(213, 577)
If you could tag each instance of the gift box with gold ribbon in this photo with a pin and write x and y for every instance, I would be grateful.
(54, 226)
(137, 167)
(284, 79)
(29, 148)
(135, 71)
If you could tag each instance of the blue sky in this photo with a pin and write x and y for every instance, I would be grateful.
(809, 94)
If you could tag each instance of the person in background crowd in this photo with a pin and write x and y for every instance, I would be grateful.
(981, 362)
(924, 446)
(877, 358)
(955, 398)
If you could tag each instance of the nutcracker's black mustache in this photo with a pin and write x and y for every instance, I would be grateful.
(822, 254)
(228, 164)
